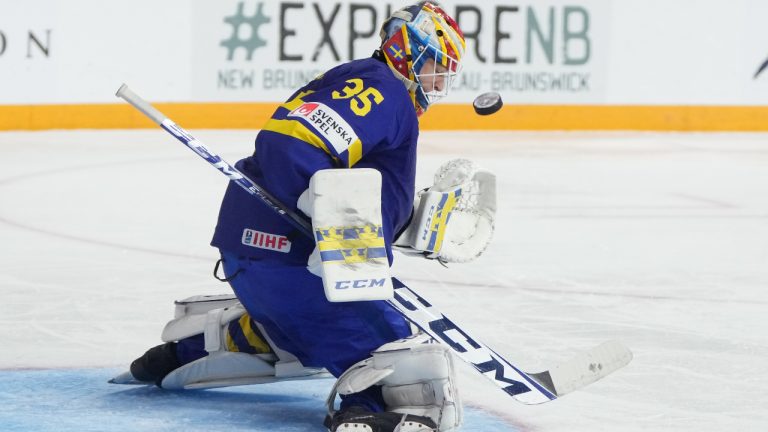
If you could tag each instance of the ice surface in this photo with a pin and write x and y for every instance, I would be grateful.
(657, 240)
(81, 400)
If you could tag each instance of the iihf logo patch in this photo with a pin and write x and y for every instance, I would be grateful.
(262, 240)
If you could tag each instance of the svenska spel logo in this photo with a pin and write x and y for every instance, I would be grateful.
(304, 110)
(243, 26)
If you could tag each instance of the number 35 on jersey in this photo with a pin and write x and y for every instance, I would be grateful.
(361, 98)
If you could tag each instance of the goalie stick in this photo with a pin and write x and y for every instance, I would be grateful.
(528, 388)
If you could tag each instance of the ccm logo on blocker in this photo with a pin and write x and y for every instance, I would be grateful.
(360, 283)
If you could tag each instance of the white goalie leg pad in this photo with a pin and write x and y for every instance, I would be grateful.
(351, 254)
(221, 369)
(417, 377)
(211, 315)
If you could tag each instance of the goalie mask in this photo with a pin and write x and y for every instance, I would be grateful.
(424, 47)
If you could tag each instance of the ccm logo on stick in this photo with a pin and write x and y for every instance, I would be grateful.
(483, 360)
(360, 283)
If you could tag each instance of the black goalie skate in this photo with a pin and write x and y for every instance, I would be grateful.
(155, 364)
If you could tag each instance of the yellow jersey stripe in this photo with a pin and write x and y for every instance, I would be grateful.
(231, 346)
(254, 340)
(296, 129)
(297, 101)
(354, 153)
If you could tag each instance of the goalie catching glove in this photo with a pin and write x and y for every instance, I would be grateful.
(453, 220)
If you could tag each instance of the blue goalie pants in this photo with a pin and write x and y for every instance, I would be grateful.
(290, 303)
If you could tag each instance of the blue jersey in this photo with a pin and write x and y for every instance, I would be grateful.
(355, 115)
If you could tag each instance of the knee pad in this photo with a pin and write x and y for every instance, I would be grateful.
(206, 314)
(417, 377)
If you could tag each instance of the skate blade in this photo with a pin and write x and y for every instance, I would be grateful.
(127, 378)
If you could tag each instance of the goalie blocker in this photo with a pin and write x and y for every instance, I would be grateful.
(351, 254)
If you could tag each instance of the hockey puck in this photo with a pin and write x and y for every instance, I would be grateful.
(487, 103)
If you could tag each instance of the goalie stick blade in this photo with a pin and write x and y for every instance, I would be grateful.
(585, 368)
